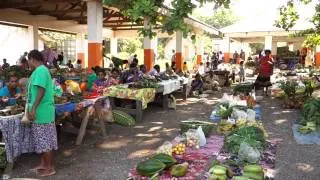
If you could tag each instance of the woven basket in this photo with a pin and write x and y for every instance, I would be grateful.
(207, 127)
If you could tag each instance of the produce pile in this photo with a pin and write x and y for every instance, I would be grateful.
(12, 110)
(310, 117)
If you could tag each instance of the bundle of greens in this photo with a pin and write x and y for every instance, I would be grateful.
(252, 135)
(224, 111)
(3, 158)
(310, 86)
(310, 112)
(289, 88)
(243, 88)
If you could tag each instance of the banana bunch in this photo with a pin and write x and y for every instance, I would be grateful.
(310, 127)
(225, 127)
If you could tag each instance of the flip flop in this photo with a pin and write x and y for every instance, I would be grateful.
(36, 169)
(49, 174)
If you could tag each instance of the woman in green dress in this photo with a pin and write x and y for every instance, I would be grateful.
(42, 113)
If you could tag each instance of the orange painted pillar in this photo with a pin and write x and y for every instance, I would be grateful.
(94, 54)
(226, 57)
(179, 58)
(226, 49)
(317, 60)
(148, 59)
(95, 26)
(199, 59)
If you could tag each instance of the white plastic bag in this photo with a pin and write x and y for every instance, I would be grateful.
(251, 115)
(248, 153)
(193, 139)
(239, 114)
(202, 137)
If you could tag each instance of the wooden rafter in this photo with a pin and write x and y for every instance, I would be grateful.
(8, 4)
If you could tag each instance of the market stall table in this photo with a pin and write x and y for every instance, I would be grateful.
(166, 88)
(141, 97)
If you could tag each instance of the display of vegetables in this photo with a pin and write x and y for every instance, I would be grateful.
(179, 149)
(220, 172)
(310, 86)
(254, 172)
(179, 170)
(13, 110)
(224, 112)
(251, 135)
(289, 88)
(243, 88)
(311, 112)
(207, 127)
(150, 167)
(123, 118)
(166, 159)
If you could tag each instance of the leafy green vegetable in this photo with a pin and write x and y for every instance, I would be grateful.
(310, 112)
(224, 112)
(252, 135)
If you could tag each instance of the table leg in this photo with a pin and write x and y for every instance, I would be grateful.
(103, 127)
(83, 126)
(185, 91)
(165, 101)
(139, 110)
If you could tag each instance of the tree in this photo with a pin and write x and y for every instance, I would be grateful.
(222, 18)
(137, 9)
(289, 16)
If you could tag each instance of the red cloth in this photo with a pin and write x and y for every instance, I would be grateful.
(266, 66)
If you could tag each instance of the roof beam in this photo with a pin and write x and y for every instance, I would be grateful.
(6, 4)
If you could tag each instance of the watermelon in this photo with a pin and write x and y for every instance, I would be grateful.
(123, 119)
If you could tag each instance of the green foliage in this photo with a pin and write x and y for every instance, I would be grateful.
(256, 47)
(139, 9)
(289, 17)
(222, 18)
(3, 158)
(130, 45)
(310, 112)
(251, 135)
(289, 88)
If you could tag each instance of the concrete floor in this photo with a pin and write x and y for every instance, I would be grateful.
(111, 158)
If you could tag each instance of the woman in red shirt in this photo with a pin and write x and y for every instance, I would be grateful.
(265, 71)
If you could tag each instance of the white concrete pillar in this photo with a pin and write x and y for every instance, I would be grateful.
(114, 46)
(154, 45)
(80, 44)
(95, 26)
(274, 48)
(200, 50)
(226, 48)
(33, 36)
(179, 60)
(268, 42)
(148, 49)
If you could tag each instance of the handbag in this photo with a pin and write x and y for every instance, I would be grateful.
(25, 119)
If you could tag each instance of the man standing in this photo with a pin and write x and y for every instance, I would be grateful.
(5, 65)
(235, 57)
(242, 55)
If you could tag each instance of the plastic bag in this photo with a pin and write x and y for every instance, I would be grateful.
(202, 137)
(193, 139)
(248, 153)
(251, 115)
(165, 148)
(239, 114)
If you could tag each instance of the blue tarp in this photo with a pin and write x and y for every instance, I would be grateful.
(67, 107)
(310, 138)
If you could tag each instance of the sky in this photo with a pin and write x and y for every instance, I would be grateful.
(253, 9)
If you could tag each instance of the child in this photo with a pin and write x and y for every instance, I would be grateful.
(241, 72)
(196, 84)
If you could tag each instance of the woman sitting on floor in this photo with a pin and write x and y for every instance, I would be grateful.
(210, 82)
(196, 84)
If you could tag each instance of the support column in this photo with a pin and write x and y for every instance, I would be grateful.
(148, 51)
(268, 42)
(226, 49)
(200, 51)
(114, 46)
(95, 18)
(33, 36)
(179, 60)
(154, 45)
(80, 49)
(317, 60)
(274, 50)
